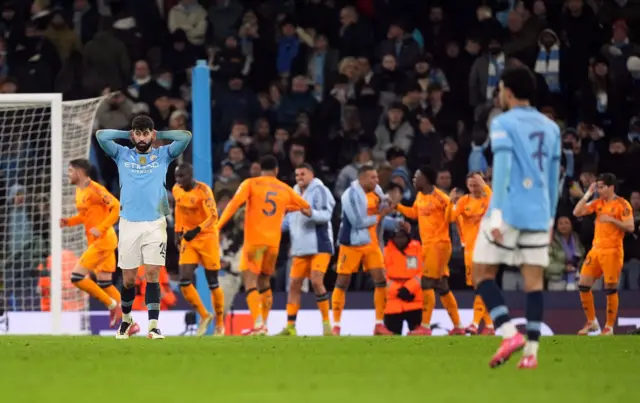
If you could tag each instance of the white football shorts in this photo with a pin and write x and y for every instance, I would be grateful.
(517, 247)
(142, 242)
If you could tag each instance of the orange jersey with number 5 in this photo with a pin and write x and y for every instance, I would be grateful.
(268, 200)
(608, 235)
(195, 208)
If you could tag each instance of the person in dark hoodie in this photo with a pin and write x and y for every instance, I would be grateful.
(549, 64)
(179, 56)
(229, 61)
(232, 103)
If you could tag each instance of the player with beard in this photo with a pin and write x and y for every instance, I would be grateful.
(143, 227)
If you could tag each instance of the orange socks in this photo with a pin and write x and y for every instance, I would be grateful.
(488, 322)
(612, 307)
(254, 302)
(380, 301)
(111, 291)
(90, 287)
(586, 297)
(338, 299)
(292, 312)
(451, 305)
(323, 306)
(478, 310)
(267, 303)
(193, 298)
(217, 300)
(428, 305)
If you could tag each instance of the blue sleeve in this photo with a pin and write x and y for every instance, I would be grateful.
(502, 148)
(285, 223)
(180, 138)
(500, 139)
(322, 206)
(391, 224)
(358, 218)
(106, 139)
(553, 180)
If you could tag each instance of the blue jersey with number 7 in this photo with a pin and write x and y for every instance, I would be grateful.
(526, 171)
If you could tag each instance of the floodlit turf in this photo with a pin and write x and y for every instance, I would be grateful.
(328, 370)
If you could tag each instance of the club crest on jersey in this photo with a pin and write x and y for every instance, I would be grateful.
(527, 183)
(143, 160)
(154, 157)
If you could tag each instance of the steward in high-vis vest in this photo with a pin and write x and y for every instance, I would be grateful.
(403, 262)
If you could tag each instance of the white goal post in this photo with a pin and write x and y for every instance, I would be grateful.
(35, 128)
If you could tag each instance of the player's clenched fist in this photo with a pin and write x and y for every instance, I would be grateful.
(64, 222)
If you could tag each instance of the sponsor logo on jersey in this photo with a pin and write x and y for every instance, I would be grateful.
(143, 160)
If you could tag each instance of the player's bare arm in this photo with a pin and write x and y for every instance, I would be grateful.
(581, 209)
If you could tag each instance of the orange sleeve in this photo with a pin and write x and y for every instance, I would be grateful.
(113, 206)
(210, 208)
(409, 212)
(297, 202)
(75, 220)
(177, 213)
(454, 211)
(241, 197)
(447, 206)
(592, 206)
(487, 191)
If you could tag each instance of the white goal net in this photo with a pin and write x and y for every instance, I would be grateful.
(34, 195)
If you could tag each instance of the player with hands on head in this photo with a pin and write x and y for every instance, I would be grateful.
(196, 215)
(142, 172)
(516, 229)
(614, 218)
(267, 201)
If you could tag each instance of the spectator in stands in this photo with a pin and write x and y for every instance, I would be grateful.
(484, 76)
(62, 37)
(400, 43)
(223, 16)
(230, 61)
(321, 66)
(226, 179)
(631, 277)
(350, 172)
(116, 112)
(355, 36)
(233, 103)
(236, 159)
(190, 17)
(85, 20)
(565, 257)
(395, 130)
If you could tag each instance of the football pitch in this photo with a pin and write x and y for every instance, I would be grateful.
(312, 369)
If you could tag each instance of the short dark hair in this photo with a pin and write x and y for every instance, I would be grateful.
(268, 163)
(364, 169)
(472, 173)
(185, 166)
(520, 81)
(82, 164)
(429, 173)
(306, 166)
(608, 179)
(142, 122)
(235, 145)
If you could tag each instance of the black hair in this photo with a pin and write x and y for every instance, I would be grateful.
(429, 173)
(268, 163)
(82, 164)
(142, 122)
(608, 179)
(364, 169)
(395, 186)
(185, 166)
(306, 166)
(520, 81)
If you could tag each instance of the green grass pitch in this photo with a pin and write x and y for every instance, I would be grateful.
(314, 369)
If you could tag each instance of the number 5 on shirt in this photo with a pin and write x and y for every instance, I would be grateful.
(268, 199)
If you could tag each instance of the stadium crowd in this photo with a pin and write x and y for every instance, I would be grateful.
(340, 84)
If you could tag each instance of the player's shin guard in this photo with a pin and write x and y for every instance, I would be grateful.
(254, 302)
(428, 304)
(451, 305)
(494, 301)
(267, 303)
(128, 295)
(217, 296)
(338, 300)
(191, 295)
(90, 287)
(612, 306)
(588, 306)
(110, 289)
(323, 305)
(380, 300)
(152, 300)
